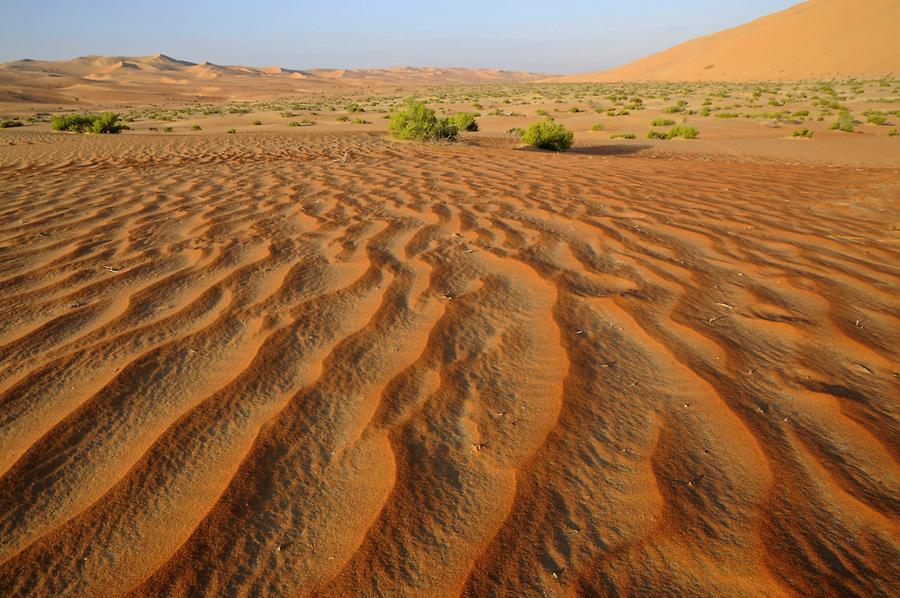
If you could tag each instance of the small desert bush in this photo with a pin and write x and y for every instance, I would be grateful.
(415, 120)
(256, 123)
(662, 122)
(465, 121)
(876, 118)
(231, 131)
(361, 121)
(598, 127)
(195, 128)
(657, 135)
(894, 133)
(843, 123)
(342, 119)
(549, 135)
(802, 133)
(84, 123)
(8, 123)
(686, 131)
(624, 136)
(168, 129)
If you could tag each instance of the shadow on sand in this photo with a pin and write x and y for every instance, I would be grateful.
(611, 149)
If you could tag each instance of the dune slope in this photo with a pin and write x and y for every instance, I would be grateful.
(817, 38)
(271, 364)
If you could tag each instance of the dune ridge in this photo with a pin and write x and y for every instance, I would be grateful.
(146, 79)
(813, 39)
(333, 364)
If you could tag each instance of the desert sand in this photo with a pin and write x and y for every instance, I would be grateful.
(160, 78)
(253, 346)
(814, 39)
(337, 364)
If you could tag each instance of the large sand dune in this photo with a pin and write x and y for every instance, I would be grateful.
(147, 79)
(287, 364)
(818, 38)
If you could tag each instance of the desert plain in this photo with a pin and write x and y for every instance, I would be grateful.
(255, 346)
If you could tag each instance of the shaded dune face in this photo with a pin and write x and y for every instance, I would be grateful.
(243, 365)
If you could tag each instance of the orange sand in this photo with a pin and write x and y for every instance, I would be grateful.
(273, 364)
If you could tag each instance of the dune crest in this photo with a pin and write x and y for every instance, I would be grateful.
(818, 38)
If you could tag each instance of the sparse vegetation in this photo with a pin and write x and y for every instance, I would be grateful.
(806, 133)
(843, 123)
(662, 122)
(549, 135)
(465, 121)
(624, 136)
(685, 131)
(415, 120)
(196, 128)
(9, 123)
(106, 123)
(598, 127)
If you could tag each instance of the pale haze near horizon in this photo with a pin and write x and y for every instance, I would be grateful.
(563, 37)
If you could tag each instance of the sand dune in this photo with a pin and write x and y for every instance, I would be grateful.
(290, 364)
(105, 79)
(817, 38)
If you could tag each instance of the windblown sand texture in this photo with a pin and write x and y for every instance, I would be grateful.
(271, 364)
(814, 39)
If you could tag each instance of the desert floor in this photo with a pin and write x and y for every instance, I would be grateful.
(328, 362)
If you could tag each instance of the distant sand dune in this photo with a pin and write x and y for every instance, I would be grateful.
(162, 77)
(818, 38)
(242, 364)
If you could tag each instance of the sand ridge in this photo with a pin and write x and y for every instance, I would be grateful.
(333, 364)
(158, 78)
(813, 39)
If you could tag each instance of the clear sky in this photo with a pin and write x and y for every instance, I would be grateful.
(547, 36)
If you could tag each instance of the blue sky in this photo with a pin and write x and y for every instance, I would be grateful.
(551, 37)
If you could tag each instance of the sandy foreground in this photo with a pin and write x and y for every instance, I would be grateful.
(276, 364)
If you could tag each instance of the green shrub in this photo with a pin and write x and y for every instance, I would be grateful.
(417, 121)
(87, 123)
(167, 129)
(727, 115)
(360, 121)
(894, 133)
(549, 135)
(876, 118)
(195, 128)
(8, 123)
(673, 109)
(516, 132)
(843, 123)
(342, 118)
(542, 112)
(465, 121)
(575, 109)
(657, 135)
(686, 131)
(662, 122)
(802, 133)
(78, 123)
(231, 131)
(598, 127)
(624, 136)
